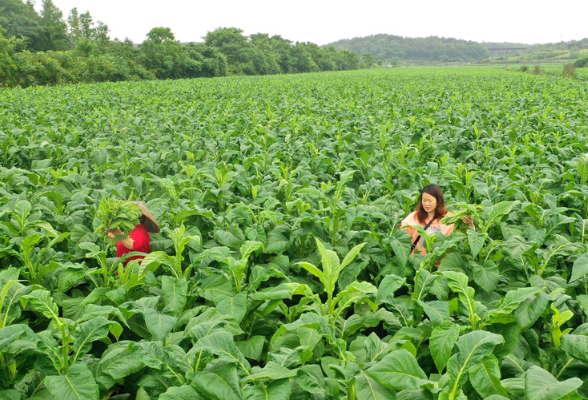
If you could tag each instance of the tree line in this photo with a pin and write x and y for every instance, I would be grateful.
(44, 48)
(392, 48)
(397, 48)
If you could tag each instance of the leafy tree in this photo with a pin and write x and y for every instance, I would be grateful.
(53, 34)
(321, 58)
(125, 49)
(21, 21)
(75, 28)
(160, 35)
(266, 54)
(86, 34)
(214, 63)
(7, 66)
(303, 62)
(232, 43)
(165, 56)
(368, 60)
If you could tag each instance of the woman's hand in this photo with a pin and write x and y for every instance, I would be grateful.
(469, 221)
(113, 232)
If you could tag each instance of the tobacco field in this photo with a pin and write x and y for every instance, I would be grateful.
(280, 271)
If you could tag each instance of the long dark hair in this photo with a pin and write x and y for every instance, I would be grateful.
(440, 211)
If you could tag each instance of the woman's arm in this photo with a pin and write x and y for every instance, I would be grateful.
(127, 242)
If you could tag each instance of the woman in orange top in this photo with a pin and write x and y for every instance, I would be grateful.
(429, 212)
(138, 239)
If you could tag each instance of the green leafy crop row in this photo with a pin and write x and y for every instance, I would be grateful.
(280, 270)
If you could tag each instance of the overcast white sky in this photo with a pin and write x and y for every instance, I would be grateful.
(324, 21)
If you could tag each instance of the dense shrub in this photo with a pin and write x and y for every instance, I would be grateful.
(581, 62)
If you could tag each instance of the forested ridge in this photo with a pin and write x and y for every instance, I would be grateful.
(45, 48)
(391, 48)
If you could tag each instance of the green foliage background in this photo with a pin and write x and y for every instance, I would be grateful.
(46, 49)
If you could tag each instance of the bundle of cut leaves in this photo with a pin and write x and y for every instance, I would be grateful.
(114, 213)
(464, 210)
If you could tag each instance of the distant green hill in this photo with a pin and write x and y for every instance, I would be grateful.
(392, 47)
(433, 48)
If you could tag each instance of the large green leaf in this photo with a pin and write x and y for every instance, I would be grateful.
(42, 302)
(248, 248)
(221, 343)
(388, 286)
(515, 386)
(401, 244)
(510, 332)
(582, 167)
(71, 276)
(476, 241)
(234, 306)
(442, 340)
(541, 385)
(350, 256)
(437, 311)
(398, 370)
(22, 209)
(367, 388)
(580, 268)
(352, 294)
(174, 293)
(154, 355)
(486, 275)
(283, 291)
(310, 378)
(472, 347)
(276, 243)
(458, 283)
(153, 260)
(10, 306)
(77, 384)
(416, 394)
(530, 310)
(576, 345)
(87, 333)
(512, 300)
(374, 348)
(252, 348)
(232, 238)
(271, 371)
(158, 324)
(216, 286)
(315, 271)
(220, 382)
(12, 333)
(278, 390)
(498, 211)
(485, 377)
(10, 394)
(185, 392)
(331, 267)
(119, 363)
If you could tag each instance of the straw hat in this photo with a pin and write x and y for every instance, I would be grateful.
(151, 224)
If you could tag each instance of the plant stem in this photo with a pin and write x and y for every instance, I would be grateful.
(564, 367)
(65, 346)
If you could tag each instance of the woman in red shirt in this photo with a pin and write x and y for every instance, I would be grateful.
(138, 240)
